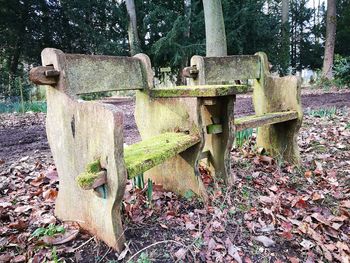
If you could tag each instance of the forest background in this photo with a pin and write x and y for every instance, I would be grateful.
(169, 31)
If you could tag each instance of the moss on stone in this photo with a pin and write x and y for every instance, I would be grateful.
(146, 154)
(199, 91)
(86, 180)
(94, 167)
(254, 121)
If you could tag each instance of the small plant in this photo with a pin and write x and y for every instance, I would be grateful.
(242, 136)
(325, 112)
(50, 230)
(139, 182)
(245, 192)
(149, 190)
(142, 259)
(54, 255)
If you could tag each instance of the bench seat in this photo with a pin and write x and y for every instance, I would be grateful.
(144, 155)
(264, 119)
(198, 91)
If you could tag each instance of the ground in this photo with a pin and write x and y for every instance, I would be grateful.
(274, 213)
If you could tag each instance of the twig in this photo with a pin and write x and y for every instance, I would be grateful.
(109, 249)
(75, 249)
(155, 244)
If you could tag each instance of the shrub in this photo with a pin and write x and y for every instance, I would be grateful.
(341, 70)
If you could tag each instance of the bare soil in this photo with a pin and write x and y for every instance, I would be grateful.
(24, 138)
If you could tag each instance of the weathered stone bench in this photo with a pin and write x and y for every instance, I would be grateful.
(179, 127)
(277, 106)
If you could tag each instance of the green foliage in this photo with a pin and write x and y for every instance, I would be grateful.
(243, 136)
(170, 33)
(342, 70)
(54, 255)
(37, 106)
(50, 230)
(143, 258)
(342, 39)
(323, 112)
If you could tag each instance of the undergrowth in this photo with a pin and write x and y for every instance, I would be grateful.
(37, 106)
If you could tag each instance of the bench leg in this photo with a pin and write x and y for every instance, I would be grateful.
(218, 131)
(79, 133)
(155, 116)
(275, 94)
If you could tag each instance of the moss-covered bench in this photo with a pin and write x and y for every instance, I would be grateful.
(209, 101)
(86, 138)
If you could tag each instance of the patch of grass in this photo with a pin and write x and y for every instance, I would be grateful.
(347, 126)
(37, 106)
(323, 112)
(242, 136)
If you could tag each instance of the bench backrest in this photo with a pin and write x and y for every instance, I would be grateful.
(225, 70)
(81, 74)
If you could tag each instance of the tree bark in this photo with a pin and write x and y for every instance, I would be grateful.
(285, 43)
(214, 29)
(330, 40)
(134, 41)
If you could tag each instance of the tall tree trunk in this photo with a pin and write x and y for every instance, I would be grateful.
(285, 43)
(134, 41)
(330, 40)
(180, 79)
(214, 29)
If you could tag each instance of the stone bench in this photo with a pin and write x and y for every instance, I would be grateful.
(86, 138)
(179, 127)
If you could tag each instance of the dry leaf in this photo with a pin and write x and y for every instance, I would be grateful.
(232, 250)
(58, 239)
(180, 254)
(307, 244)
(308, 174)
(50, 194)
(164, 226)
(266, 241)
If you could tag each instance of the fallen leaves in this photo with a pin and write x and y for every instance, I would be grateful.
(266, 241)
(275, 211)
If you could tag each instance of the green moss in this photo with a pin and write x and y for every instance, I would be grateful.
(144, 155)
(199, 91)
(264, 119)
(214, 129)
(94, 167)
(86, 180)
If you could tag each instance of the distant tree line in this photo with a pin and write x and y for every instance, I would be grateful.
(169, 31)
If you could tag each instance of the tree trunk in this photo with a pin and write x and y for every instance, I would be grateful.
(330, 40)
(214, 29)
(285, 43)
(180, 79)
(134, 41)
